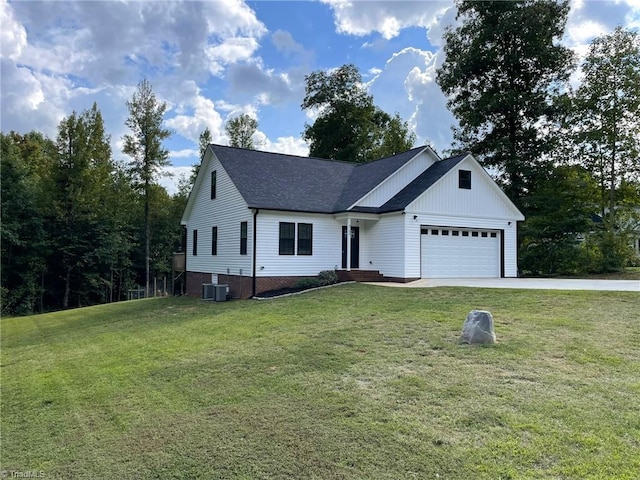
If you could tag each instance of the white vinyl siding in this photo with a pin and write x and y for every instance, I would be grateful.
(226, 212)
(398, 180)
(326, 247)
(484, 199)
(386, 249)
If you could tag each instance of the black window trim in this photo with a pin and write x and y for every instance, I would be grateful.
(214, 240)
(194, 240)
(464, 179)
(243, 237)
(287, 245)
(214, 184)
(301, 247)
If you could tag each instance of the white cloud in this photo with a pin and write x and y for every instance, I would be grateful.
(13, 36)
(386, 17)
(195, 113)
(288, 145)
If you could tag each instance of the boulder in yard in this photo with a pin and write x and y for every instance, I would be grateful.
(478, 328)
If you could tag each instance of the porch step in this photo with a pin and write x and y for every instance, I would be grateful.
(360, 276)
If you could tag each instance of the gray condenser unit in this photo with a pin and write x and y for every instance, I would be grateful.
(208, 291)
(220, 292)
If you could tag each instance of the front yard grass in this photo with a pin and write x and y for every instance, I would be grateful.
(354, 381)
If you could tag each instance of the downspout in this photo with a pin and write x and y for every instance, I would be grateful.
(255, 255)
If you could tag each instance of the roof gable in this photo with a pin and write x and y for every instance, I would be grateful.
(288, 182)
(443, 195)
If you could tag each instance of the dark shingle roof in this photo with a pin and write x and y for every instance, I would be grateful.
(287, 182)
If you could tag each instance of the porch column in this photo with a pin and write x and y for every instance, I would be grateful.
(348, 244)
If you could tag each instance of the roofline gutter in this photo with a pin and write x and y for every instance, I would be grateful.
(255, 255)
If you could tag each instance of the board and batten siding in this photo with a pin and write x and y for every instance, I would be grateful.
(386, 245)
(226, 212)
(326, 245)
(482, 207)
(398, 180)
(483, 200)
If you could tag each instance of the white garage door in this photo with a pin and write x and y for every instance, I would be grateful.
(448, 252)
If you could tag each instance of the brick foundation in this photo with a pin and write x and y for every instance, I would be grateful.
(242, 286)
(239, 286)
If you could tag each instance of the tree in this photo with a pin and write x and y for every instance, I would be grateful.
(240, 131)
(502, 72)
(605, 118)
(82, 207)
(349, 126)
(561, 216)
(144, 146)
(204, 141)
(22, 233)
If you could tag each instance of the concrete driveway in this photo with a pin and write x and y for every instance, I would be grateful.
(532, 283)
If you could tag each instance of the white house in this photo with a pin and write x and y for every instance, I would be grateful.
(259, 221)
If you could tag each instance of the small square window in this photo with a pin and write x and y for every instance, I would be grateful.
(493, 235)
(434, 232)
(474, 234)
(484, 234)
(455, 233)
(424, 231)
(464, 179)
(445, 232)
(465, 234)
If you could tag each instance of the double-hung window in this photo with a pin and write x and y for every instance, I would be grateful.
(305, 238)
(289, 234)
(287, 238)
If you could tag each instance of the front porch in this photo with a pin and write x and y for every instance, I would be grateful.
(357, 275)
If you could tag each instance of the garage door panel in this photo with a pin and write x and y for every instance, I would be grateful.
(459, 253)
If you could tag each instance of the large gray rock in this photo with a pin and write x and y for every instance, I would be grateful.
(478, 328)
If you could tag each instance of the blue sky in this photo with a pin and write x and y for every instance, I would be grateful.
(210, 61)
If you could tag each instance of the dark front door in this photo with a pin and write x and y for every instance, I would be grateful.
(355, 247)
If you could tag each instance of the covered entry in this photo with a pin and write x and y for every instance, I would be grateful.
(450, 252)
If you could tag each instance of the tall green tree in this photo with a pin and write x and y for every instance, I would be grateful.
(606, 117)
(203, 142)
(144, 146)
(240, 131)
(82, 209)
(349, 126)
(504, 67)
(24, 248)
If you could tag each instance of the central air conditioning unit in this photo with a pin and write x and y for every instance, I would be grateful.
(221, 292)
(208, 291)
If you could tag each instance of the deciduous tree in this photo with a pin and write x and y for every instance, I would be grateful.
(504, 66)
(240, 131)
(606, 118)
(144, 146)
(349, 126)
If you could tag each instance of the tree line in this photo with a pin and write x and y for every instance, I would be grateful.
(569, 158)
(79, 228)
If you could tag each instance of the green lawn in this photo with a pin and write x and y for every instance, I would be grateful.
(353, 381)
